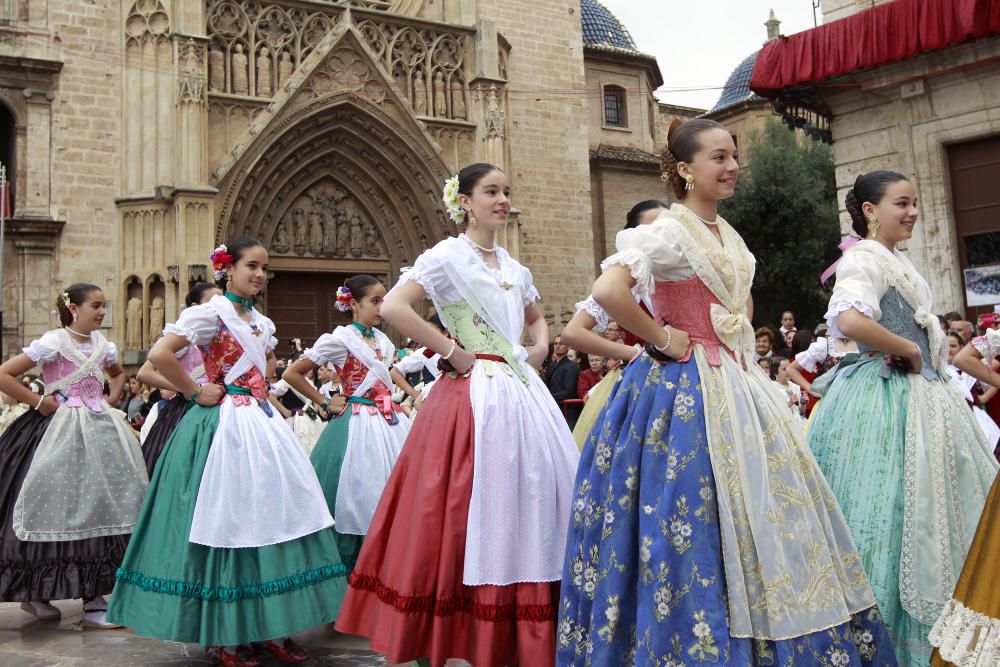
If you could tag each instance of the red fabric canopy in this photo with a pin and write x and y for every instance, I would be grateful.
(876, 36)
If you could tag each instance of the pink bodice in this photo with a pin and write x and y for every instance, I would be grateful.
(352, 373)
(192, 361)
(686, 305)
(88, 391)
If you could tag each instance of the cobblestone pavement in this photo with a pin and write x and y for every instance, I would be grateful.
(28, 642)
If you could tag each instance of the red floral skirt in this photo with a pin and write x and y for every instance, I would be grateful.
(406, 592)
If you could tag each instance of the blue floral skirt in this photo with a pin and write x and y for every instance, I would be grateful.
(644, 581)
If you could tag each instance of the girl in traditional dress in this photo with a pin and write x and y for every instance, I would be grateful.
(464, 554)
(359, 446)
(233, 543)
(901, 449)
(72, 477)
(967, 633)
(165, 415)
(702, 530)
(583, 333)
(966, 385)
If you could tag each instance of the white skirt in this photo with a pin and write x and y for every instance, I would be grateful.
(522, 485)
(373, 445)
(87, 479)
(258, 487)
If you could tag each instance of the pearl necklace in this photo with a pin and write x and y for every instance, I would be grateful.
(481, 248)
(78, 333)
(712, 223)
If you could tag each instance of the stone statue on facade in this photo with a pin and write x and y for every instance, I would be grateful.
(300, 231)
(440, 96)
(133, 323)
(357, 236)
(156, 313)
(216, 68)
(284, 67)
(343, 233)
(240, 81)
(419, 95)
(315, 230)
(329, 232)
(280, 243)
(371, 239)
(264, 79)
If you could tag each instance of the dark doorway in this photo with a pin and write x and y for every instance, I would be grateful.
(975, 171)
(303, 305)
(8, 151)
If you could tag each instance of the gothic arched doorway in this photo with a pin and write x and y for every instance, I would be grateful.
(336, 186)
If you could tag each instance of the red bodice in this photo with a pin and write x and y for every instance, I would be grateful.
(687, 305)
(219, 357)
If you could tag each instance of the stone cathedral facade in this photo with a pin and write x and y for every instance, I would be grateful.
(142, 133)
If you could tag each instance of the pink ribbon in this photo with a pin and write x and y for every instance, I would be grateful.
(844, 246)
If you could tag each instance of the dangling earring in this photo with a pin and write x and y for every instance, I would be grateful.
(689, 182)
(229, 283)
(873, 226)
(472, 219)
(74, 317)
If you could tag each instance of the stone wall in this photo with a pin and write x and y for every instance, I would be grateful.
(902, 118)
(549, 146)
(615, 190)
(71, 170)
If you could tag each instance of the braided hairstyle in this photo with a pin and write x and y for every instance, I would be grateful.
(682, 144)
(78, 293)
(869, 188)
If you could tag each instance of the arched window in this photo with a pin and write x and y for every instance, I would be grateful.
(8, 150)
(615, 113)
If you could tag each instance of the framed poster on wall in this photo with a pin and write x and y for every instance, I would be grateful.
(982, 285)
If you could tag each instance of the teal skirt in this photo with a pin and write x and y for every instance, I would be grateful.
(328, 459)
(169, 588)
(857, 434)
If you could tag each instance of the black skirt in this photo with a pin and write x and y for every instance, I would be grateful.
(42, 571)
(169, 416)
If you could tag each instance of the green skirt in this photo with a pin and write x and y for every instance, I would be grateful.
(169, 588)
(328, 459)
(857, 433)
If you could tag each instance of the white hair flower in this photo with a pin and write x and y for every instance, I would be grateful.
(65, 298)
(450, 199)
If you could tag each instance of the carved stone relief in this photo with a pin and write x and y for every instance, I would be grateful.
(191, 81)
(156, 314)
(343, 71)
(327, 221)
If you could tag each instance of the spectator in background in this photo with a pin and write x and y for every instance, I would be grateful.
(614, 332)
(134, 401)
(951, 317)
(589, 378)
(764, 344)
(562, 377)
(765, 365)
(964, 329)
(787, 324)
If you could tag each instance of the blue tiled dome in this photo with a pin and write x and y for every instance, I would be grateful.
(602, 30)
(738, 85)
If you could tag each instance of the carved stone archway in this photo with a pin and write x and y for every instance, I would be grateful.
(334, 157)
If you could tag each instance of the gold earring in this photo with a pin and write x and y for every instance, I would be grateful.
(229, 283)
(873, 226)
(472, 219)
(689, 182)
